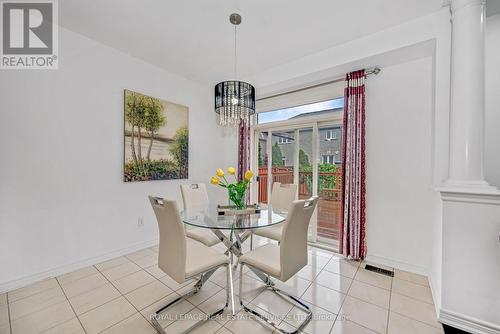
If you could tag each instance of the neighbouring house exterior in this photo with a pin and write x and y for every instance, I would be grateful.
(330, 143)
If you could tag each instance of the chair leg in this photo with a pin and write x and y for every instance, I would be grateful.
(251, 241)
(294, 301)
(230, 289)
(156, 316)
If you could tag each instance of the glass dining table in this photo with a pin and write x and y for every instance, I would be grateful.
(232, 230)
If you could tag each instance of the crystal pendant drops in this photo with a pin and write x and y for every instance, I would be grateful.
(234, 100)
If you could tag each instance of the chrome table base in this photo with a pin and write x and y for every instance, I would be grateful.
(286, 296)
(234, 244)
(234, 248)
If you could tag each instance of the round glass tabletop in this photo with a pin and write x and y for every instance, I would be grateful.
(209, 218)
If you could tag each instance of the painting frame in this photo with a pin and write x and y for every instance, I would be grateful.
(155, 138)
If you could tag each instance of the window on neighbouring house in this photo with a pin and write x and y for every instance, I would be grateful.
(284, 140)
(331, 135)
(327, 159)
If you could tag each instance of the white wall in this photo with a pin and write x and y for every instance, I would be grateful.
(399, 211)
(63, 203)
(471, 262)
(410, 238)
(492, 170)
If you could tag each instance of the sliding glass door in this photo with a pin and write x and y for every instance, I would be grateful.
(329, 182)
(285, 156)
(307, 154)
(262, 161)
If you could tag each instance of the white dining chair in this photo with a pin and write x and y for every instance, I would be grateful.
(182, 258)
(282, 197)
(195, 196)
(284, 260)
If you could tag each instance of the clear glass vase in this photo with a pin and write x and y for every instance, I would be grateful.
(237, 196)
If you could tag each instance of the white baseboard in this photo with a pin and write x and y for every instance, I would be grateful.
(27, 280)
(396, 264)
(468, 324)
(437, 301)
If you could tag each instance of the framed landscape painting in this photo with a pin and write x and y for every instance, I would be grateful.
(156, 139)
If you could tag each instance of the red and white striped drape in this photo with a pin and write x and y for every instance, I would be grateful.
(352, 232)
(243, 148)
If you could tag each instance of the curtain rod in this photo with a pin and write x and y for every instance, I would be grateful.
(375, 70)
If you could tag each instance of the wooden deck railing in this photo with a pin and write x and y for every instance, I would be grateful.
(330, 183)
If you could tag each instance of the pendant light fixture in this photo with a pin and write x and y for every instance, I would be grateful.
(234, 100)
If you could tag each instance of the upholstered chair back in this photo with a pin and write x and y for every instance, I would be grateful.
(293, 245)
(194, 195)
(172, 249)
(283, 195)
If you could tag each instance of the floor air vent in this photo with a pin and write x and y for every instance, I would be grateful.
(385, 272)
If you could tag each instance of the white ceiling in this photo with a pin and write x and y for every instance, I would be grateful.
(195, 39)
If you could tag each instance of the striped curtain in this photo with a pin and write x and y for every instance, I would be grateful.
(243, 148)
(352, 232)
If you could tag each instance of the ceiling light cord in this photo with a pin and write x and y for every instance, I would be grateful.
(235, 55)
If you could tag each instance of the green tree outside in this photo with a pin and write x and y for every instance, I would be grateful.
(277, 156)
(303, 160)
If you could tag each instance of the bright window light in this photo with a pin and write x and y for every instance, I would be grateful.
(288, 113)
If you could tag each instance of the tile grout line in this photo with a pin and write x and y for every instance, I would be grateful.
(128, 259)
(314, 282)
(337, 315)
(374, 286)
(34, 294)
(389, 306)
(8, 312)
(87, 291)
(412, 282)
(223, 326)
(67, 299)
(310, 284)
(111, 283)
(78, 315)
(35, 311)
(419, 321)
(115, 266)
(388, 310)
(101, 273)
(156, 279)
(413, 298)
(126, 275)
(122, 295)
(346, 294)
(250, 277)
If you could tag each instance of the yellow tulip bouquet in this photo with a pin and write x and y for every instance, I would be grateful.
(236, 190)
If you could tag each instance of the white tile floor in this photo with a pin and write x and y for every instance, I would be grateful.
(119, 295)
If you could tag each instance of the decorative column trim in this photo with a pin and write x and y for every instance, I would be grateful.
(466, 323)
(456, 5)
(469, 195)
(466, 163)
